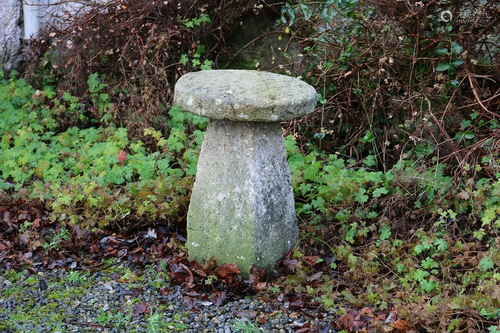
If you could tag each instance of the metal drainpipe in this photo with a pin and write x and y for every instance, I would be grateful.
(31, 18)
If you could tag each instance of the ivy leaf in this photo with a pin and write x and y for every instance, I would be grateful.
(305, 10)
(442, 51)
(457, 48)
(442, 66)
(291, 13)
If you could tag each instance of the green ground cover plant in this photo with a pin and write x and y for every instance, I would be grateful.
(93, 176)
(348, 211)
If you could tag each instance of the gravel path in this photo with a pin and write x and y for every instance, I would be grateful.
(121, 299)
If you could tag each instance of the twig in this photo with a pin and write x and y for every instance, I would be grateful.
(191, 278)
(472, 85)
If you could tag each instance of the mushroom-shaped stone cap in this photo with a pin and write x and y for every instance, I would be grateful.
(244, 95)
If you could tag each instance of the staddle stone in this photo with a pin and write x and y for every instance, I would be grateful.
(242, 205)
(243, 95)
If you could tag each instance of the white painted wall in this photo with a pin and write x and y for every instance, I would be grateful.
(31, 20)
(53, 12)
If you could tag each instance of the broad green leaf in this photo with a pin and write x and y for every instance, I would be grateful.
(318, 203)
(306, 11)
(368, 138)
(184, 59)
(428, 285)
(442, 51)
(385, 232)
(361, 197)
(441, 244)
(451, 69)
(429, 263)
(420, 275)
(379, 191)
(207, 65)
(469, 135)
(369, 161)
(442, 66)
(486, 263)
(457, 48)
(205, 18)
(200, 49)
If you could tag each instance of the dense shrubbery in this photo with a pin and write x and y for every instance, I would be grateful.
(141, 48)
(395, 78)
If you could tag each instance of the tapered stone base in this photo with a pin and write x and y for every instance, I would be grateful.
(242, 206)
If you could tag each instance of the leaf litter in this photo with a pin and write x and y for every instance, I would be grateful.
(305, 284)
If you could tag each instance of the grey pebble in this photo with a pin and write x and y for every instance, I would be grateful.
(82, 310)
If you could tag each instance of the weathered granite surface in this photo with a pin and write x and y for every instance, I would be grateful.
(242, 206)
(244, 95)
(10, 34)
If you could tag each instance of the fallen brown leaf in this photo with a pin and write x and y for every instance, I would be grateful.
(218, 297)
(262, 319)
(311, 260)
(227, 271)
(290, 263)
(140, 308)
(351, 322)
(314, 277)
(248, 314)
(401, 325)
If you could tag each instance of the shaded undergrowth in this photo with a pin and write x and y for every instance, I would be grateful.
(409, 244)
